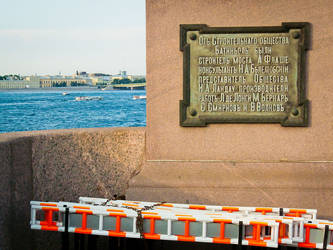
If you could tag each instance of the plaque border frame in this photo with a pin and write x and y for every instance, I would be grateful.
(300, 120)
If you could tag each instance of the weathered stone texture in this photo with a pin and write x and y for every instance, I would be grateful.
(61, 165)
(5, 193)
(236, 164)
(235, 142)
(303, 185)
(96, 163)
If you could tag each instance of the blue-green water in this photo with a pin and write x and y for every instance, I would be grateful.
(38, 110)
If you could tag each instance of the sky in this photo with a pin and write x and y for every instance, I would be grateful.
(61, 36)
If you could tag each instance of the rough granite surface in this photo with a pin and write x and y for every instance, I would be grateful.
(301, 185)
(20, 193)
(61, 165)
(166, 140)
(98, 163)
(4, 194)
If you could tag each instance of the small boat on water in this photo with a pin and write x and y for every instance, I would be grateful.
(65, 93)
(88, 98)
(136, 97)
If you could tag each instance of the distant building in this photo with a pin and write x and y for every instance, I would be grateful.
(99, 75)
(32, 82)
(122, 75)
(77, 79)
(61, 81)
(137, 77)
(81, 73)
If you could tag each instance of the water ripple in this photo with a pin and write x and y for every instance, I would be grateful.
(31, 110)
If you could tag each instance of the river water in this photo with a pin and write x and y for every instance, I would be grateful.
(26, 110)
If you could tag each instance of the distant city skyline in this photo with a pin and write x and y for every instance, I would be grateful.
(46, 37)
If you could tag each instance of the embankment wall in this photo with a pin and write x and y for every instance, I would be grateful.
(58, 165)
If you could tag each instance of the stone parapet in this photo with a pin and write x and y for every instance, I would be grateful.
(61, 165)
(284, 184)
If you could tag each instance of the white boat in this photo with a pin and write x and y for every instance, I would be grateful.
(88, 98)
(65, 93)
(139, 97)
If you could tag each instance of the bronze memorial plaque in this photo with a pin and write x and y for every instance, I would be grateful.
(244, 74)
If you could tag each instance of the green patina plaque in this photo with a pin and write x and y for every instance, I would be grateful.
(244, 74)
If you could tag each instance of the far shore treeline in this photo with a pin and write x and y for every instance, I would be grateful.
(14, 77)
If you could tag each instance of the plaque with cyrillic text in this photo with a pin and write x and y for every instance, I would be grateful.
(244, 74)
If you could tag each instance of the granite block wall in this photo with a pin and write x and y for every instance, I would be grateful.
(61, 165)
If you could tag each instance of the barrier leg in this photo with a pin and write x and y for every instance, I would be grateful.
(76, 242)
(65, 235)
(92, 241)
(82, 241)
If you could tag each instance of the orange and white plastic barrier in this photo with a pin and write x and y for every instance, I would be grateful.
(291, 212)
(266, 227)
